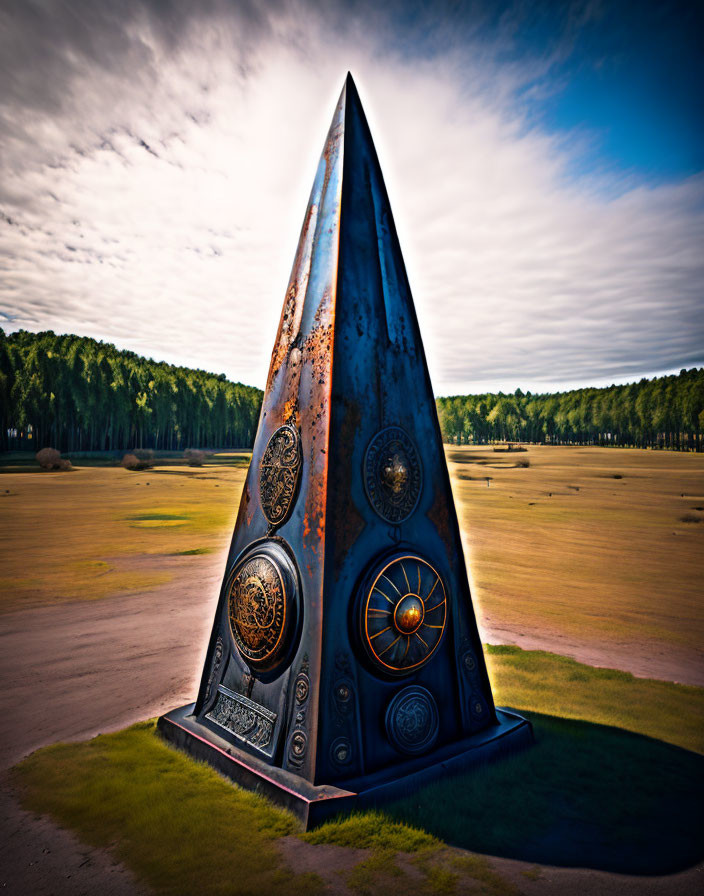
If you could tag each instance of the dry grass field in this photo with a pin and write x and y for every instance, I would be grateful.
(565, 545)
(597, 544)
(563, 555)
(99, 531)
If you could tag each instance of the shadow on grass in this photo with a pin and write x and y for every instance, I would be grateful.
(584, 796)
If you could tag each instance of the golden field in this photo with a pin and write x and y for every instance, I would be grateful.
(587, 545)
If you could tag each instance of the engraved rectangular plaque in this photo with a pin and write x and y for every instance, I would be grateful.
(247, 720)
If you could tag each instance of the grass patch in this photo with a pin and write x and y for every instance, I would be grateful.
(547, 683)
(179, 825)
(396, 848)
(371, 830)
(191, 552)
(378, 874)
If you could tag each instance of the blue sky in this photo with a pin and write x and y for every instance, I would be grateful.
(633, 80)
(545, 164)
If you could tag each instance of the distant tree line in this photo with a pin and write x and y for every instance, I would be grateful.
(665, 412)
(76, 394)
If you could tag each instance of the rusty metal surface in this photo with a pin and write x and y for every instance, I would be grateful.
(348, 376)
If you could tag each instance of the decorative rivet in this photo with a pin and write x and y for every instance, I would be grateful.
(301, 689)
(298, 743)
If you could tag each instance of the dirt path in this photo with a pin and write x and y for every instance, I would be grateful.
(653, 660)
(74, 670)
(334, 864)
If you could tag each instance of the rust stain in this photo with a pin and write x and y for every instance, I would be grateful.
(439, 516)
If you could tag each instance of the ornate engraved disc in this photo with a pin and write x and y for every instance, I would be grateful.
(392, 474)
(263, 605)
(279, 473)
(404, 609)
(412, 720)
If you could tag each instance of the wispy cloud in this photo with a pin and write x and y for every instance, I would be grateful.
(156, 163)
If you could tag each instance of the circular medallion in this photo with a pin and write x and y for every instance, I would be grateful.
(279, 473)
(262, 596)
(392, 474)
(403, 613)
(412, 720)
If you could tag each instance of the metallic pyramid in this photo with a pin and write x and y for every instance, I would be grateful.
(344, 661)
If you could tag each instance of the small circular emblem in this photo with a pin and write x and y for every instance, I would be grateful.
(299, 741)
(262, 596)
(279, 473)
(412, 720)
(341, 751)
(403, 613)
(302, 688)
(392, 474)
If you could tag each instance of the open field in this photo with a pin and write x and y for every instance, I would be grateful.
(100, 531)
(107, 597)
(562, 555)
(592, 550)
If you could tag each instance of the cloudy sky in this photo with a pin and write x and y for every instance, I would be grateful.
(545, 164)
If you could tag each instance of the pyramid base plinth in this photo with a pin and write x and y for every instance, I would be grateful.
(313, 804)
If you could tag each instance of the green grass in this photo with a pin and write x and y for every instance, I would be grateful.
(584, 795)
(582, 787)
(184, 829)
(179, 825)
(556, 685)
(371, 831)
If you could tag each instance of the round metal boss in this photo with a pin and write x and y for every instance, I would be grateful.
(263, 605)
(403, 611)
(393, 474)
(279, 473)
(412, 720)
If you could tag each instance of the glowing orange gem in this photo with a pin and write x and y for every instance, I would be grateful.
(408, 614)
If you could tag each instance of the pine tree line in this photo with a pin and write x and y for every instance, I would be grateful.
(77, 394)
(665, 412)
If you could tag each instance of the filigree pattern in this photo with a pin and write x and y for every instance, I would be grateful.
(279, 473)
(412, 720)
(392, 474)
(244, 718)
(257, 608)
(403, 614)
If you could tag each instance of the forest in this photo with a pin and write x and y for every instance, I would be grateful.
(77, 394)
(664, 412)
